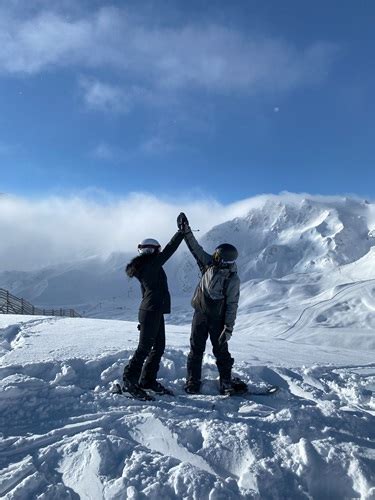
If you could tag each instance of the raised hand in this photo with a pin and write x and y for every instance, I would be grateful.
(182, 222)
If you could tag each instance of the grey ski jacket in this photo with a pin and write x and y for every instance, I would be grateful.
(218, 291)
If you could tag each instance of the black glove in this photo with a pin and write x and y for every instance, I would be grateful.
(182, 222)
(225, 335)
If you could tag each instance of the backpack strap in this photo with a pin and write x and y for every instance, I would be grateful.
(226, 283)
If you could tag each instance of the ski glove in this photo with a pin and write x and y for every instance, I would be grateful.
(182, 222)
(225, 335)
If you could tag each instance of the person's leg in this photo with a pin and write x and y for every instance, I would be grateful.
(151, 366)
(149, 327)
(224, 360)
(199, 334)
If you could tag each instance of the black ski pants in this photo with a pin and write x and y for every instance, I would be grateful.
(202, 327)
(144, 365)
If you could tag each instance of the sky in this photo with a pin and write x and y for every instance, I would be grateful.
(201, 100)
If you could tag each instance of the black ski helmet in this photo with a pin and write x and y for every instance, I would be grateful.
(225, 253)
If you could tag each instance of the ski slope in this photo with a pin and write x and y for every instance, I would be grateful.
(64, 434)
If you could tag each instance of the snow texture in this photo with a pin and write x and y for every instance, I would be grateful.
(64, 435)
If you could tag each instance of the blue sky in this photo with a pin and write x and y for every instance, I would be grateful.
(226, 99)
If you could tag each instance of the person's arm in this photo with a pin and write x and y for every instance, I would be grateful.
(232, 299)
(201, 256)
(170, 248)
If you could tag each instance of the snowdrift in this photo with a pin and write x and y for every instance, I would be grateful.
(64, 434)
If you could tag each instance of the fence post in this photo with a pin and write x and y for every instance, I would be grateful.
(7, 302)
(33, 310)
(21, 306)
(61, 312)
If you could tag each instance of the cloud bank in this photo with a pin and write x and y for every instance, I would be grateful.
(39, 233)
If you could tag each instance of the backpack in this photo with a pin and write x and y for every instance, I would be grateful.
(215, 308)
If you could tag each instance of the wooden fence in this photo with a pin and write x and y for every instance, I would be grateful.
(9, 304)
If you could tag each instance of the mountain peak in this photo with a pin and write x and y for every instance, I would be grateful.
(284, 236)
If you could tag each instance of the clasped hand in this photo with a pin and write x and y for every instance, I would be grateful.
(182, 222)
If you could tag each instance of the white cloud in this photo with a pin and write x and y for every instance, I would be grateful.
(101, 96)
(38, 233)
(207, 56)
(55, 229)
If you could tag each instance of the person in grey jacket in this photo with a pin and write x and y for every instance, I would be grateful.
(215, 302)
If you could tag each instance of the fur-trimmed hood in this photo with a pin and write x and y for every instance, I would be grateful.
(135, 265)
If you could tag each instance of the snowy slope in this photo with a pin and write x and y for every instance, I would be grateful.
(64, 436)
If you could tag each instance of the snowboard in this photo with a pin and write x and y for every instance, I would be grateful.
(267, 391)
(240, 388)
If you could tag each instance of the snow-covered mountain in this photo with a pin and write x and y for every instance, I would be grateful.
(299, 236)
(291, 248)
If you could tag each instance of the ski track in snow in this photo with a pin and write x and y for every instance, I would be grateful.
(311, 312)
(65, 436)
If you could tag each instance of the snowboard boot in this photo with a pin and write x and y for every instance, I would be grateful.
(192, 387)
(134, 390)
(239, 386)
(156, 387)
(232, 386)
(226, 387)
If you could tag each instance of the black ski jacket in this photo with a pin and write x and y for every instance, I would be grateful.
(150, 273)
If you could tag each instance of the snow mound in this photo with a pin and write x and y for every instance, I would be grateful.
(64, 434)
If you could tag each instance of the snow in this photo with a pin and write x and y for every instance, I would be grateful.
(64, 434)
(306, 323)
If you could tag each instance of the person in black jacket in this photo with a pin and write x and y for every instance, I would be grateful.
(141, 371)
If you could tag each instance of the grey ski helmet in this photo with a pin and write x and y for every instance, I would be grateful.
(225, 254)
(149, 245)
